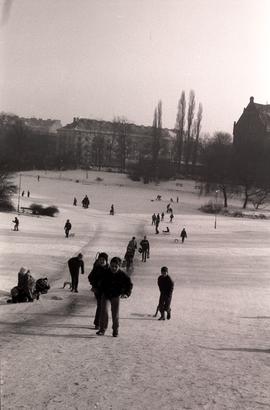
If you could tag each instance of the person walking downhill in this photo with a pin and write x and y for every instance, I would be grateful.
(75, 201)
(67, 227)
(16, 224)
(171, 217)
(100, 269)
(154, 218)
(75, 264)
(166, 286)
(112, 210)
(114, 284)
(183, 235)
(145, 246)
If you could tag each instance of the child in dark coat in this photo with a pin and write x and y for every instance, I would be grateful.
(115, 284)
(166, 286)
(95, 277)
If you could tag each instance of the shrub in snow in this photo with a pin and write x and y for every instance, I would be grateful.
(40, 210)
(211, 208)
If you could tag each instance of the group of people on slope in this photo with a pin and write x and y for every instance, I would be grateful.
(109, 284)
(144, 250)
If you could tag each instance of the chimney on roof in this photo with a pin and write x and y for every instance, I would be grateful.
(251, 100)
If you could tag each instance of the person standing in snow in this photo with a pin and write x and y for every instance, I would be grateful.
(115, 284)
(16, 224)
(166, 286)
(95, 277)
(67, 227)
(145, 247)
(75, 264)
(183, 235)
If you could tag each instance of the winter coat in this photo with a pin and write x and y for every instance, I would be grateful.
(145, 245)
(165, 285)
(68, 226)
(96, 275)
(75, 264)
(115, 284)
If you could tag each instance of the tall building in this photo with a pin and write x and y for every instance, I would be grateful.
(90, 142)
(254, 123)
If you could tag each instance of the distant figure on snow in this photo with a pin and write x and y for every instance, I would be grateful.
(28, 194)
(75, 264)
(171, 217)
(154, 217)
(85, 202)
(166, 286)
(145, 247)
(22, 193)
(67, 227)
(130, 252)
(183, 234)
(112, 210)
(75, 201)
(16, 224)
(162, 216)
(177, 199)
(38, 177)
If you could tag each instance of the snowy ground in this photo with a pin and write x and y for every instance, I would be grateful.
(213, 354)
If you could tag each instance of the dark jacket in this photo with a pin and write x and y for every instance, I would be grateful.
(165, 284)
(145, 245)
(75, 264)
(68, 226)
(183, 233)
(96, 275)
(115, 284)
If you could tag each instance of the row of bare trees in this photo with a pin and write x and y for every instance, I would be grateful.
(237, 168)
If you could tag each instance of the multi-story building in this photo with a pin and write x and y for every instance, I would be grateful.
(253, 124)
(93, 142)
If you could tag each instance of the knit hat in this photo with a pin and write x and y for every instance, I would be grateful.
(103, 255)
(23, 270)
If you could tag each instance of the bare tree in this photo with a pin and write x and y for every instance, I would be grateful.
(179, 127)
(156, 138)
(197, 130)
(120, 127)
(190, 117)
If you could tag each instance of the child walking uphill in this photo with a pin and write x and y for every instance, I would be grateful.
(100, 269)
(166, 286)
(114, 284)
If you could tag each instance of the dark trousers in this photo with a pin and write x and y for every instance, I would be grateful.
(74, 280)
(98, 308)
(165, 303)
(144, 255)
(104, 315)
(67, 232)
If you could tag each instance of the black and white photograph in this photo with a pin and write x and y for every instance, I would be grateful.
(134, 205)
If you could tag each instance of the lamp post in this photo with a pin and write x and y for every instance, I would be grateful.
(19, 193)
(216, 195)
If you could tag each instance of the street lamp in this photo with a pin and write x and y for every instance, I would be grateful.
(216, 195)
(19, 193)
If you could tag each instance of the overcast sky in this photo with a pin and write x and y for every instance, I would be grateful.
(105, 58)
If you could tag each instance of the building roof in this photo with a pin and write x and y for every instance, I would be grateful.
(263, 111)
(86, 124)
